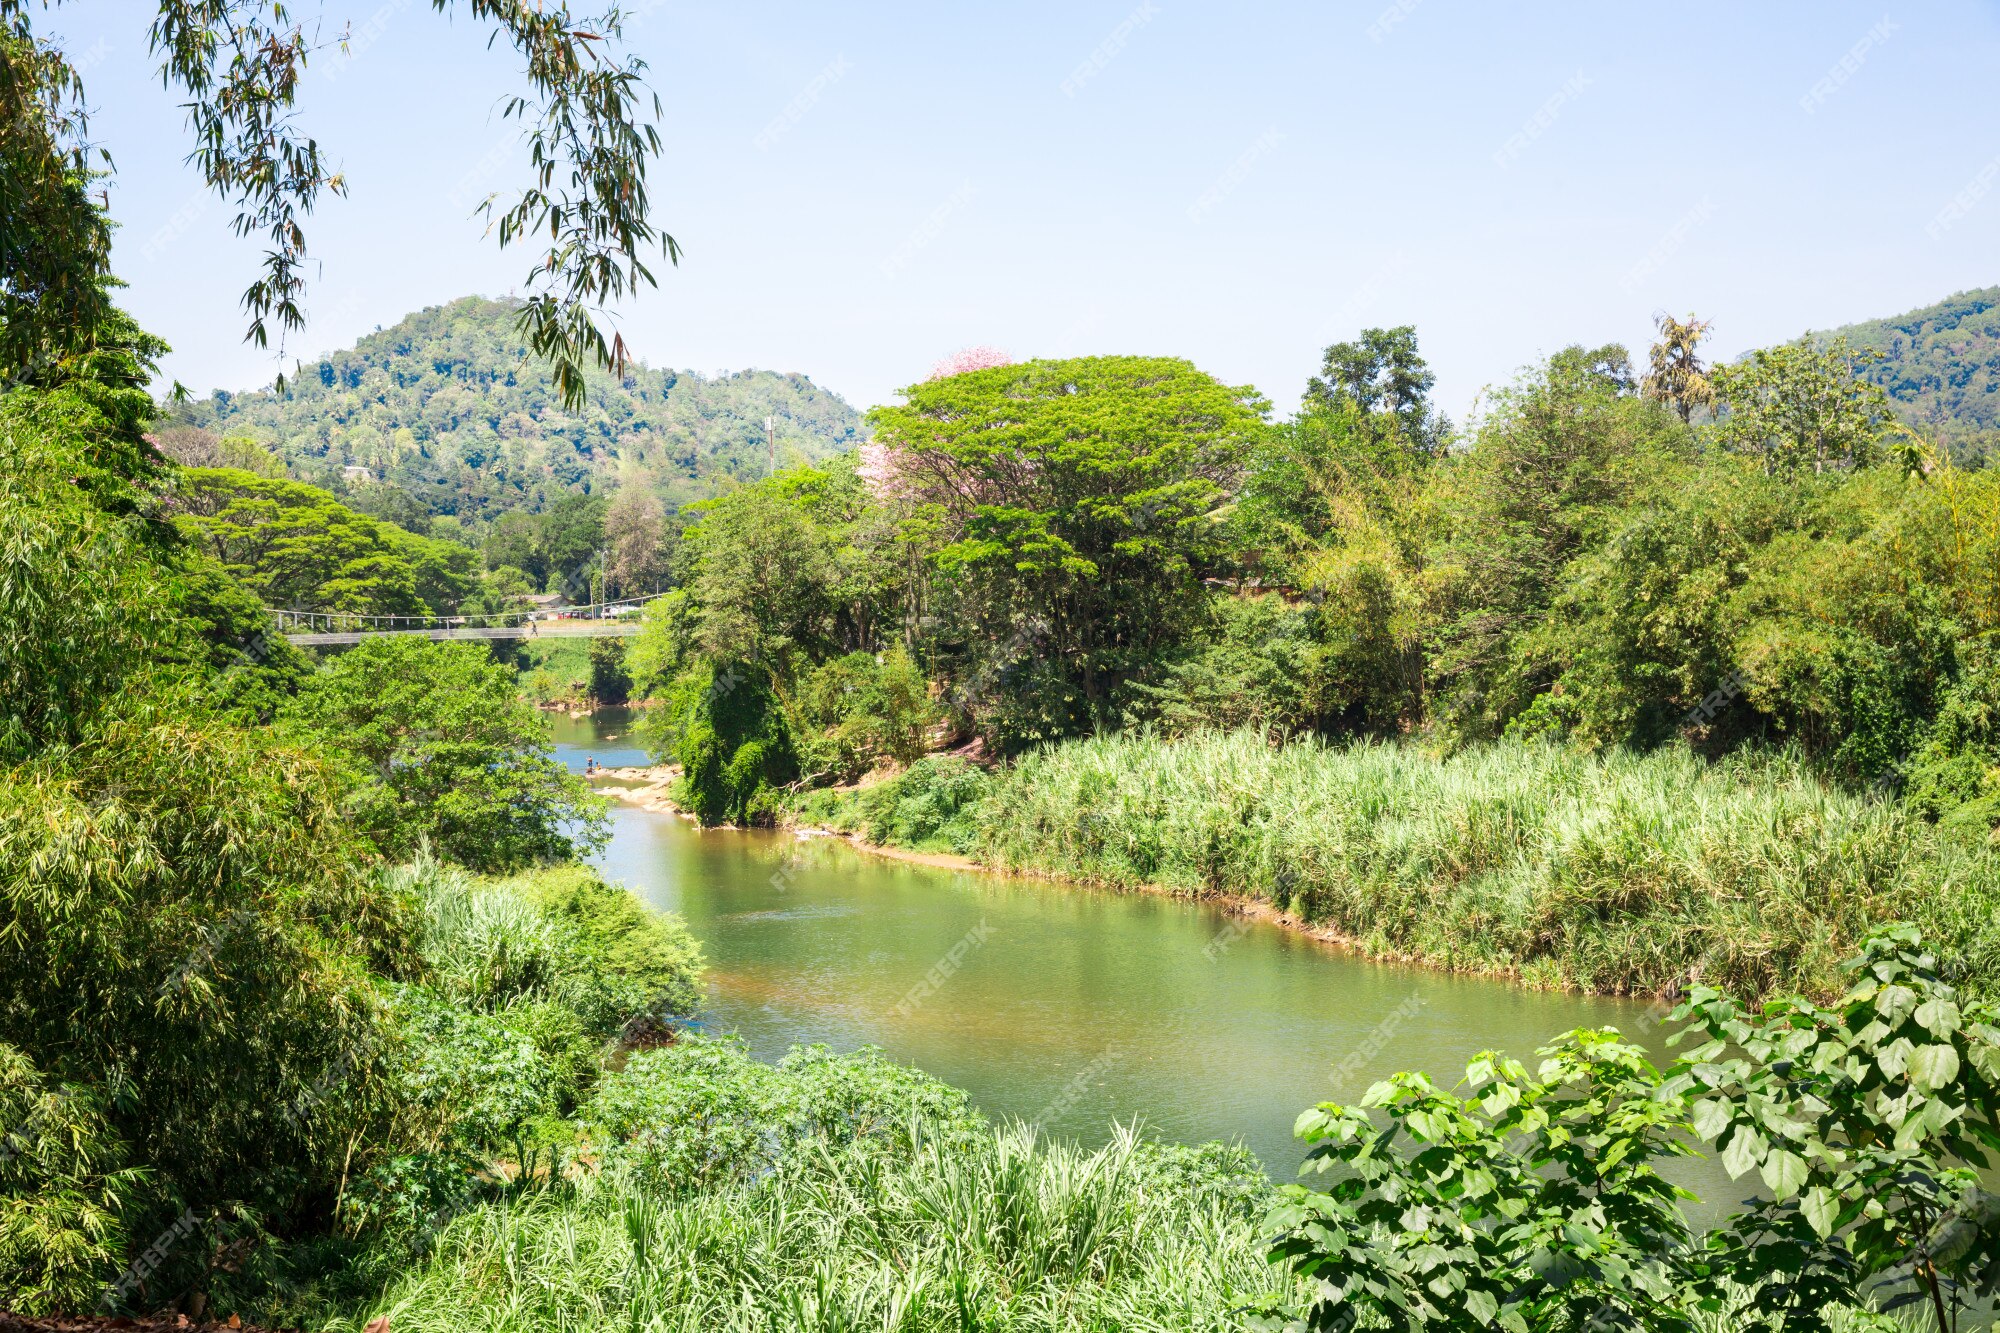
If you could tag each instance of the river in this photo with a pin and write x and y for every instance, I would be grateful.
(1048, 1002)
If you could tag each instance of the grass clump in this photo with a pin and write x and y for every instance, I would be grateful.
(701, 1113)
(841, 1192)
(515, 991)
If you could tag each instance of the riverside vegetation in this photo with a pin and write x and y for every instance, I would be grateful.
(1616, 873)
(308, 1011)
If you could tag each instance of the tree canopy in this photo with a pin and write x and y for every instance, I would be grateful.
(1068, 508)
(441, 751)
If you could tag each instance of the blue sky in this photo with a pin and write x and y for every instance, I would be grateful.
(861, 189)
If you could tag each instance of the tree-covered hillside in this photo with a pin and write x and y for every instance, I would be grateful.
(1941, 366)
(451, 409)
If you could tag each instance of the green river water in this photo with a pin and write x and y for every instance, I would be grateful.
(1070, 1006)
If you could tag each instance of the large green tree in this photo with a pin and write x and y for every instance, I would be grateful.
(791, 571)
(1802, 406)
(441, 750)
(1069, 513)
(1388, 384)
(298, 547)
(1551, 467)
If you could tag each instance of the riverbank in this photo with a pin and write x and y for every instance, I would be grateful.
(1611, 874)
(652, 790)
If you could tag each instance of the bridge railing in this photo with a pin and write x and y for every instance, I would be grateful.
(291, 622)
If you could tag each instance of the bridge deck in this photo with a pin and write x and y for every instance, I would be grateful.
(593, 629)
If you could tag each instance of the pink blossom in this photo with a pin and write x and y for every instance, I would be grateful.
(881, 468)
(878, 467)
(970, 358)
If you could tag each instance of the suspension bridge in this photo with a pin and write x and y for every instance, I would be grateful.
(598, 620)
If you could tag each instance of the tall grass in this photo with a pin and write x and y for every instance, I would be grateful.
(1616, 873)
(1004, 1232)
(556, 933)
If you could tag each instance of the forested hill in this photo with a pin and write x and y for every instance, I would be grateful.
(450, 407)
(1941, 365)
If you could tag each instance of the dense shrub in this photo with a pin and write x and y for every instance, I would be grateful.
(1954, 775)
(64, 1191)
(1264, 668)
(702, 1113)
(725, 727)
(517, 990)
(930, 806)
(559, 933)
(441, 751)
(859, 710)
(186, 938)
(1534, 1202)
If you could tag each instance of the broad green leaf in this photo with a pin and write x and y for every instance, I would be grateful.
(1784, 1172)
(1745, 1148)
(1938, 1016)
(1894, 1003)
(1932, 1067)
(1711, 1117)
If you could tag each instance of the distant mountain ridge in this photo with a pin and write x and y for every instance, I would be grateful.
(450, 407)
(1941, 366)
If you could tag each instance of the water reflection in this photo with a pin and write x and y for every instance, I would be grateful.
(1055, 1003)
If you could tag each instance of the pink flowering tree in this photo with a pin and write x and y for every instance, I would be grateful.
(970, 358)
(878, 462)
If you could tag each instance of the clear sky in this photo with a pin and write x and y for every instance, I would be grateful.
(862, 188)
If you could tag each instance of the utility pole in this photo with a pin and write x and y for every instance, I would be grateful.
(771, 439)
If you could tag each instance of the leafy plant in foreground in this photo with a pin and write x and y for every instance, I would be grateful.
(1868, 1122)
(1534, 1204)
